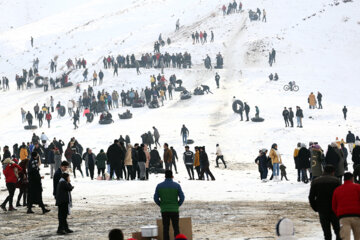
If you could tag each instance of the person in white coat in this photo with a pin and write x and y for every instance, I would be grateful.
(219, 155)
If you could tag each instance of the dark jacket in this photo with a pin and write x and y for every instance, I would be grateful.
(189, 158)
(51, 159)
(63, 195)
(114, 154)
(35, 187)
(76, 159)
(204, 160)
(56, 180)
(333, 156)
(321, 193)
(356, 155)
(303, 158)
(350, 138)
(141, 155)
(174, 155)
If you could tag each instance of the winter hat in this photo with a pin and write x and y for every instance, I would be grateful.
(180, 237)
(264, 150)
(285, 227)
(333, 144)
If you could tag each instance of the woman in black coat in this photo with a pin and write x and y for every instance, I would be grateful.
(64, 203)
(35, 187)
(304, 162)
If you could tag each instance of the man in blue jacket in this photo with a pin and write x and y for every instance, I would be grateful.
(169, 196)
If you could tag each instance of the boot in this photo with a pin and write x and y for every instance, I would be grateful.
(18, 204)
(44, 210)
(3, 208)
(29, 211)
(11, 208)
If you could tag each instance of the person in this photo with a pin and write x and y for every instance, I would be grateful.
(350, 140)
(48, 118)
(247, 110)
(346, 206)
(58, 173)
(299, 116)
(51, 161)
(10, 173)
(40, 118)
(116, 234)
(177, 24)
(205, 165)
(303, 162)
(156, 136)
(219, 155)
(64, 203)
(275, 160)
(29, 118)
(261, 161)
(217, 80)
(188, 158)
(319, 98)
(169, 196)
(291, 117)
(167, 157)
(356, 154)
(344, 112)
(197, 161)
(312, 101)
(22, 182)
(317, 158)
(114, 153)
(334, 156)
(90, 160)
(276, 77)
(174, 159)
(128, 161)
(184, 133)
(320, 199)
(212, 36)
(32, 42)
(76, 161)
(101, 160)
(35, 187)
(285, 114)
(142, 161)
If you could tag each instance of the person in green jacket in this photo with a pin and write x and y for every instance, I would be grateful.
(101, 159)
(169, 196)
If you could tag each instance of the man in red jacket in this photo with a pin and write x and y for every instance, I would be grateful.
(346, 206)
(10, 173)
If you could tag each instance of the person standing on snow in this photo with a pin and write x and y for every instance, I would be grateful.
(291, 117)
(29, 118)
(205, 165)
(156, 136)
(174, 159)
(285, 114)
(262, 162)
(177, 24)
(247, 111)
(299, 116)
(350, 140)
(188, 158)
(184, 133)
(32, 41)
(264, 16)
(319, 98)
(40, 118)
(219, 155)
(48, 118)
(344, 112)
(275, 160)
(212, 37)
(217, 80)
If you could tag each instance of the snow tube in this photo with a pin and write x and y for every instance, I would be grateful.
(106, 121)
(218, 66)
(137, 105)
(184, 96)
(27, 127)
(236, 104)
(190, 141)
(259, 119)
(198, 92)
(90, 117)
(125, 116)
(152, 105)
(62, 111)
(39, 81)
(68, 84)
(179, 89)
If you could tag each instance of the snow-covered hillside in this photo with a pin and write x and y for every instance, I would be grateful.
(317, 44)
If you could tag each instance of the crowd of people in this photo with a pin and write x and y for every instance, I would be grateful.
(201, 37)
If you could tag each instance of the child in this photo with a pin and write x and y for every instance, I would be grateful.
(283, 172)
(63, 201)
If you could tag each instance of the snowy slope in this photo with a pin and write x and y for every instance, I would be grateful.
(320, 53)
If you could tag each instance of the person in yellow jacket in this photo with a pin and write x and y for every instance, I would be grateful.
(162, 94)
(23, 152)
(152, 81)
(296, 160)
(94, 78)
(276, 161)
(312, 101)
(197, 161)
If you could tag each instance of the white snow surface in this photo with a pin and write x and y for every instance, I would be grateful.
(320, 53)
